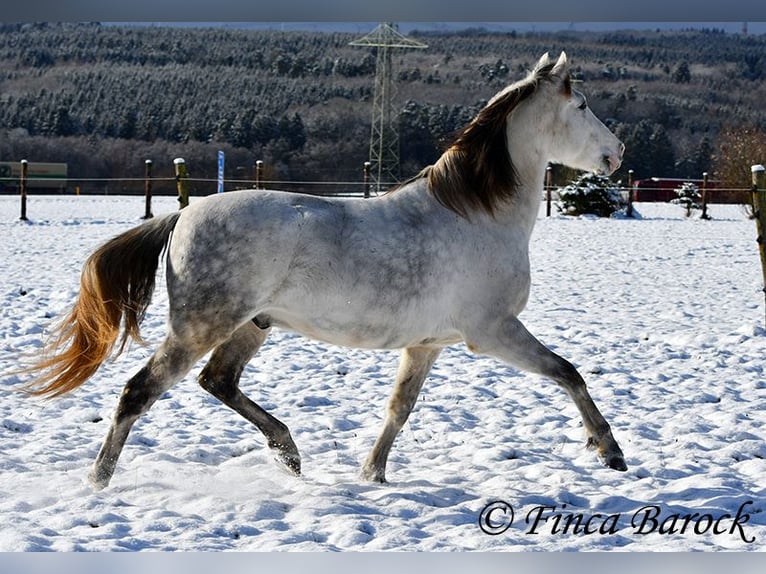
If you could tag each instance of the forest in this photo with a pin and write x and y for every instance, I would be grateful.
(105, 98)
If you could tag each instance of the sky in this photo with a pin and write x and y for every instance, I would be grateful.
(391, 10)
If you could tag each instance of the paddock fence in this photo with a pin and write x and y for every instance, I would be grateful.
(183, 185)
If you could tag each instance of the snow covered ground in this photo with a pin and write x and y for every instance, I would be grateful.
(663, 316)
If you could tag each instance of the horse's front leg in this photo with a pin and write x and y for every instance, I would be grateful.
(414, 366)
(508, 340)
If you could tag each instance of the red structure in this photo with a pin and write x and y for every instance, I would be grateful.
(662, 189)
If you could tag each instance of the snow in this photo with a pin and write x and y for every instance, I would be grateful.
(662, 315)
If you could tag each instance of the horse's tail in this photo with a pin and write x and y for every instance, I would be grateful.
(117, 283)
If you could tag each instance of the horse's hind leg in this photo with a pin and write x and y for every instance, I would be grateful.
(414, 366)
(510, 341)
(167, 366)
(220, 377)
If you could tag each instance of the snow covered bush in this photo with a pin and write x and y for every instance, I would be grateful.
(590, 194)
(688, 196)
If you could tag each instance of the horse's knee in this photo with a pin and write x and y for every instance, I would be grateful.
(399, 410)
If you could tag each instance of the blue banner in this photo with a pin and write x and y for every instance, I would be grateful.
(220, 171)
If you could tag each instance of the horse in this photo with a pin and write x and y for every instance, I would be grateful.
(441, 260)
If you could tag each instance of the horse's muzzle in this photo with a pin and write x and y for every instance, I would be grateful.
(613, 161)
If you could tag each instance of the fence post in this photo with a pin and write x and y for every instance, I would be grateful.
(23, 189)
(148, 189)
(258, 174)
(366, 171)
(704, 196)
(181, 182)
(759, 203)
(548, 179)
(629, 210)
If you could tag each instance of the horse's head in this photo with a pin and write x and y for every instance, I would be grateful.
(564, 127)
(537, 120)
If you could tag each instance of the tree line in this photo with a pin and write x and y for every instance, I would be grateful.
(103, 98)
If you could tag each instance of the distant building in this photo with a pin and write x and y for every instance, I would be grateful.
(663, 189)
(41, 177)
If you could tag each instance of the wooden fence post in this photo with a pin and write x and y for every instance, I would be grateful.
(629, 210)
(23, 189)
(366, 171)
(258, 174)
(548, 180)
(759, 204)
(148, 189)
(704, 197)
(181, 182)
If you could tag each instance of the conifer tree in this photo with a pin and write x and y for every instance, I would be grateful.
(590, 194)
(688, 196)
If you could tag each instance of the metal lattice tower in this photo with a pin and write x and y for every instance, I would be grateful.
(384, 133)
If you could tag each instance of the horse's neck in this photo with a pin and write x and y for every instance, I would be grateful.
(529, 162)
(523, 209)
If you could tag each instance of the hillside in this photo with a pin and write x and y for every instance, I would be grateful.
(105, 98)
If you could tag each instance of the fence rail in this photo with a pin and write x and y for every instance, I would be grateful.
(13, 183)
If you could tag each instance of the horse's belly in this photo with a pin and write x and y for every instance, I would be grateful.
(364, 329)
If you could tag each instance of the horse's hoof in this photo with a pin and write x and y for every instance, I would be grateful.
(617, 462)
(610, 455)
(614, 461)
(291, 462)
(97, 480)
(372, 475)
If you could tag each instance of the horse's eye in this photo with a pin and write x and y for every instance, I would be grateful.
(582, 105)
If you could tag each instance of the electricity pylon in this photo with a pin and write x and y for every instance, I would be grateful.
(384, 133)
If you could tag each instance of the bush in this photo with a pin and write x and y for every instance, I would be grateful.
(590, 194)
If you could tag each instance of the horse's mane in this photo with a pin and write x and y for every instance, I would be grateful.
(476, 173)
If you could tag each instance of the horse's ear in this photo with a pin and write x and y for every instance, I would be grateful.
(543, 61)
(561, 68)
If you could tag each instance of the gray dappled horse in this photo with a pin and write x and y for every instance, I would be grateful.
(442, 259)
